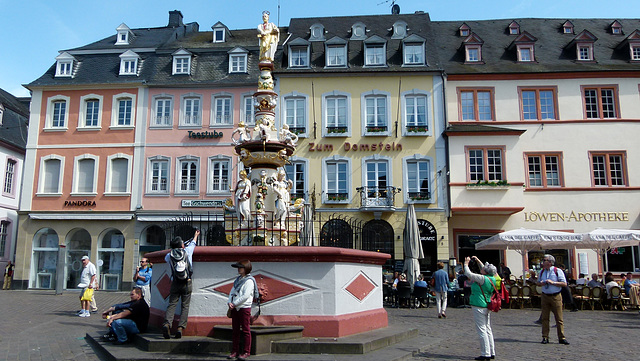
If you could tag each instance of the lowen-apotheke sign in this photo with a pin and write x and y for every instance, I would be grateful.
(576, 216)
(191, 203)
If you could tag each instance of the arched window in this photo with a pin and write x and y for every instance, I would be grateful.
(377, 236)
(45, 259)
(78, 245)
(110, 259)
(216, 235)
(336, 233)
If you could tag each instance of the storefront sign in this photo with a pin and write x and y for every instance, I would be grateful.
(190, 203)
(427, 231)
(576, 217)
(362, 147)
(204, 135)
(80, 203)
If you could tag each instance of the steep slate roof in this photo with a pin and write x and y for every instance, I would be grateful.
(552, 53)
(13, 131)
(376, 25)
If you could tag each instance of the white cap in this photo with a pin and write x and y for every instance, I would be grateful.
(84, 257)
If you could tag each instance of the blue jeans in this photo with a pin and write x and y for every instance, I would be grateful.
(124, 327)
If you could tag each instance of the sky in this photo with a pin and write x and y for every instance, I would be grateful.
(35, 31)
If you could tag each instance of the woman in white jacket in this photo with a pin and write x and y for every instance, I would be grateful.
(240, 300)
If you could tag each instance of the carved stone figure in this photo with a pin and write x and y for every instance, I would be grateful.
(243, 134)
(243, 195)
(269, 36)
(281, 187)
(287, 136)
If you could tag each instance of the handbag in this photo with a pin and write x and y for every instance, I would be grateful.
(229, 313)
(495, 304)
(87, 295)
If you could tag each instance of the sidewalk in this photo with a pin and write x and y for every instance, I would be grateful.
(37, 325)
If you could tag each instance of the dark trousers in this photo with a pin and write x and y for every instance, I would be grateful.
(180, 290)
(241, 325)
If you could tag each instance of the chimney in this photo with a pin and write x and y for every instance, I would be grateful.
(175, 19)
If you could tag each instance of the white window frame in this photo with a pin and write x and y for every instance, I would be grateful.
(247, 97)
(467, 51)
(588, 48)
(178, 177)
(215, 98)
(126, 60)
(302, 52)
(179, 68)
(10, 177)
(326, 97)
(123, 34)
(634, 52)
(150, 162)
(108, 183)
(154, 111)
(217, 31)
(183, 100)
(210, 177)
(238, 60)
(50, 113)
(76, 175)
(521, 58)
(418, 158)
(305, 100)
(325, 180)
(406, 47)
(369, 52)
(64, 68)
(363, 112)
(115, 111)
(41, 176)
(377, 158)
(428, 112)
(82, 112)
(340, 51)
(293, 161)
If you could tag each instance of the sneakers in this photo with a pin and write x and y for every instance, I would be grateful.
(544, 341)
(232, 356)
(243, 357)
(84, 313)
(165, 332)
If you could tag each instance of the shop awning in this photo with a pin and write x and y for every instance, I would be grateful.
(82, 216)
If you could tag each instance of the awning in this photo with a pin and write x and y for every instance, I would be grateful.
(82, 216)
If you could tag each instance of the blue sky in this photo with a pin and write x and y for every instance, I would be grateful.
(34, 31)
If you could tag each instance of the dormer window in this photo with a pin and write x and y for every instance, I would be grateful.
(584, 46)
(584, 52)
(1, 112)
(473, 49)
(616, 28)
(525, 47)
(299, 53)
(413, 50)
(129, 63)
(181, 62)
(514, 28)
(567, 27)
(375, 51)
(399, 30)
(219, 32)
(358, 31)
(464, 30)
(64, 65)
(317, 32)
(238, 60)
(336, 52)
(124, 35)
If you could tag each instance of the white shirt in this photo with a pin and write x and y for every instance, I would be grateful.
(87, 272)
(553, 274)
(242, 298)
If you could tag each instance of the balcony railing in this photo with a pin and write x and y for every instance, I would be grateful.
(377, 198)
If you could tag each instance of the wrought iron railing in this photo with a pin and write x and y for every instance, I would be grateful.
(377, 197)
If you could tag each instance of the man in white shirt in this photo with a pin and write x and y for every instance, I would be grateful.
(552, 280)
(87, 280)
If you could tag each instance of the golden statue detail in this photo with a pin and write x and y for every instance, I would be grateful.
(269, 36)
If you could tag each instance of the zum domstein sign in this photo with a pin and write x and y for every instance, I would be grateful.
(574, 216)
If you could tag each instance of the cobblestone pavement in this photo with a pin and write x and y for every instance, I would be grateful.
(38, 325)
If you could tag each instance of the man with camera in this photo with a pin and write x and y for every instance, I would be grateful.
(552, 280)
(142, 279)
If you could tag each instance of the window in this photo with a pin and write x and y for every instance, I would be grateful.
(336, 114)
(544, 170)
(399, 30)
(538, 103)
(609, 169)
(417, 184)
(122, 111)
(4, 235)
(635, 53)
(414, 54)
(10, 177)
(415, 113)
(317, 32)
(90, 112)
(247, 110)
(84, 180)
(163, 111)
(299, 57)
(191, 110)
(374, 54)
(525, 53)
(64, 68)
(377, 177)
(485, 164)
(181, 64)
(238, 63)
(568, 29)
(375, 111)
(476, 104)
(59, 114)
(118, 174)
(600, 102)
(513, 31)
(358, 31)
(337, 172)
(218, 35)
(295, 113)
(92, 108)
(129, 63)
(187, 175)
(219, 174)
(122, 37)
(296, 172)
(51, 172)
(158, 175)
(585, 52)
(222, 114)
(464, 32)
(336, 55)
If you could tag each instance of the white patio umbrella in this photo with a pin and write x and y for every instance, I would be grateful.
(524, 240)
(602, 240)
(412, 246)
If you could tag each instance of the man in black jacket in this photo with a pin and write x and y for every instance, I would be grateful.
(127, 319)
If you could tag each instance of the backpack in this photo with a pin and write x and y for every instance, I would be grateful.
(180, 265)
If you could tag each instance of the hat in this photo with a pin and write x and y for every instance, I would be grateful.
(84, 257)
(237, 265)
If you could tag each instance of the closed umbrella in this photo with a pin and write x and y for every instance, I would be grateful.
(307, 235)
(412, 246)
(524, 240)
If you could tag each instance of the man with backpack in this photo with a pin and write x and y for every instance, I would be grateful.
(552, 282)
(180, 262)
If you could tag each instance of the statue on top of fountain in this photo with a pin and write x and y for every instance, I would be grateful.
(269, 36)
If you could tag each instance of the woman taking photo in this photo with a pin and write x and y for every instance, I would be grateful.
(240, 299)
(481, 290)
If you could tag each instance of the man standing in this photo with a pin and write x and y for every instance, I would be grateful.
(8, 275)
(127, 319)
(552, 280)
(441, 288)
(87, 279)
(179, 261)
(142, 279)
